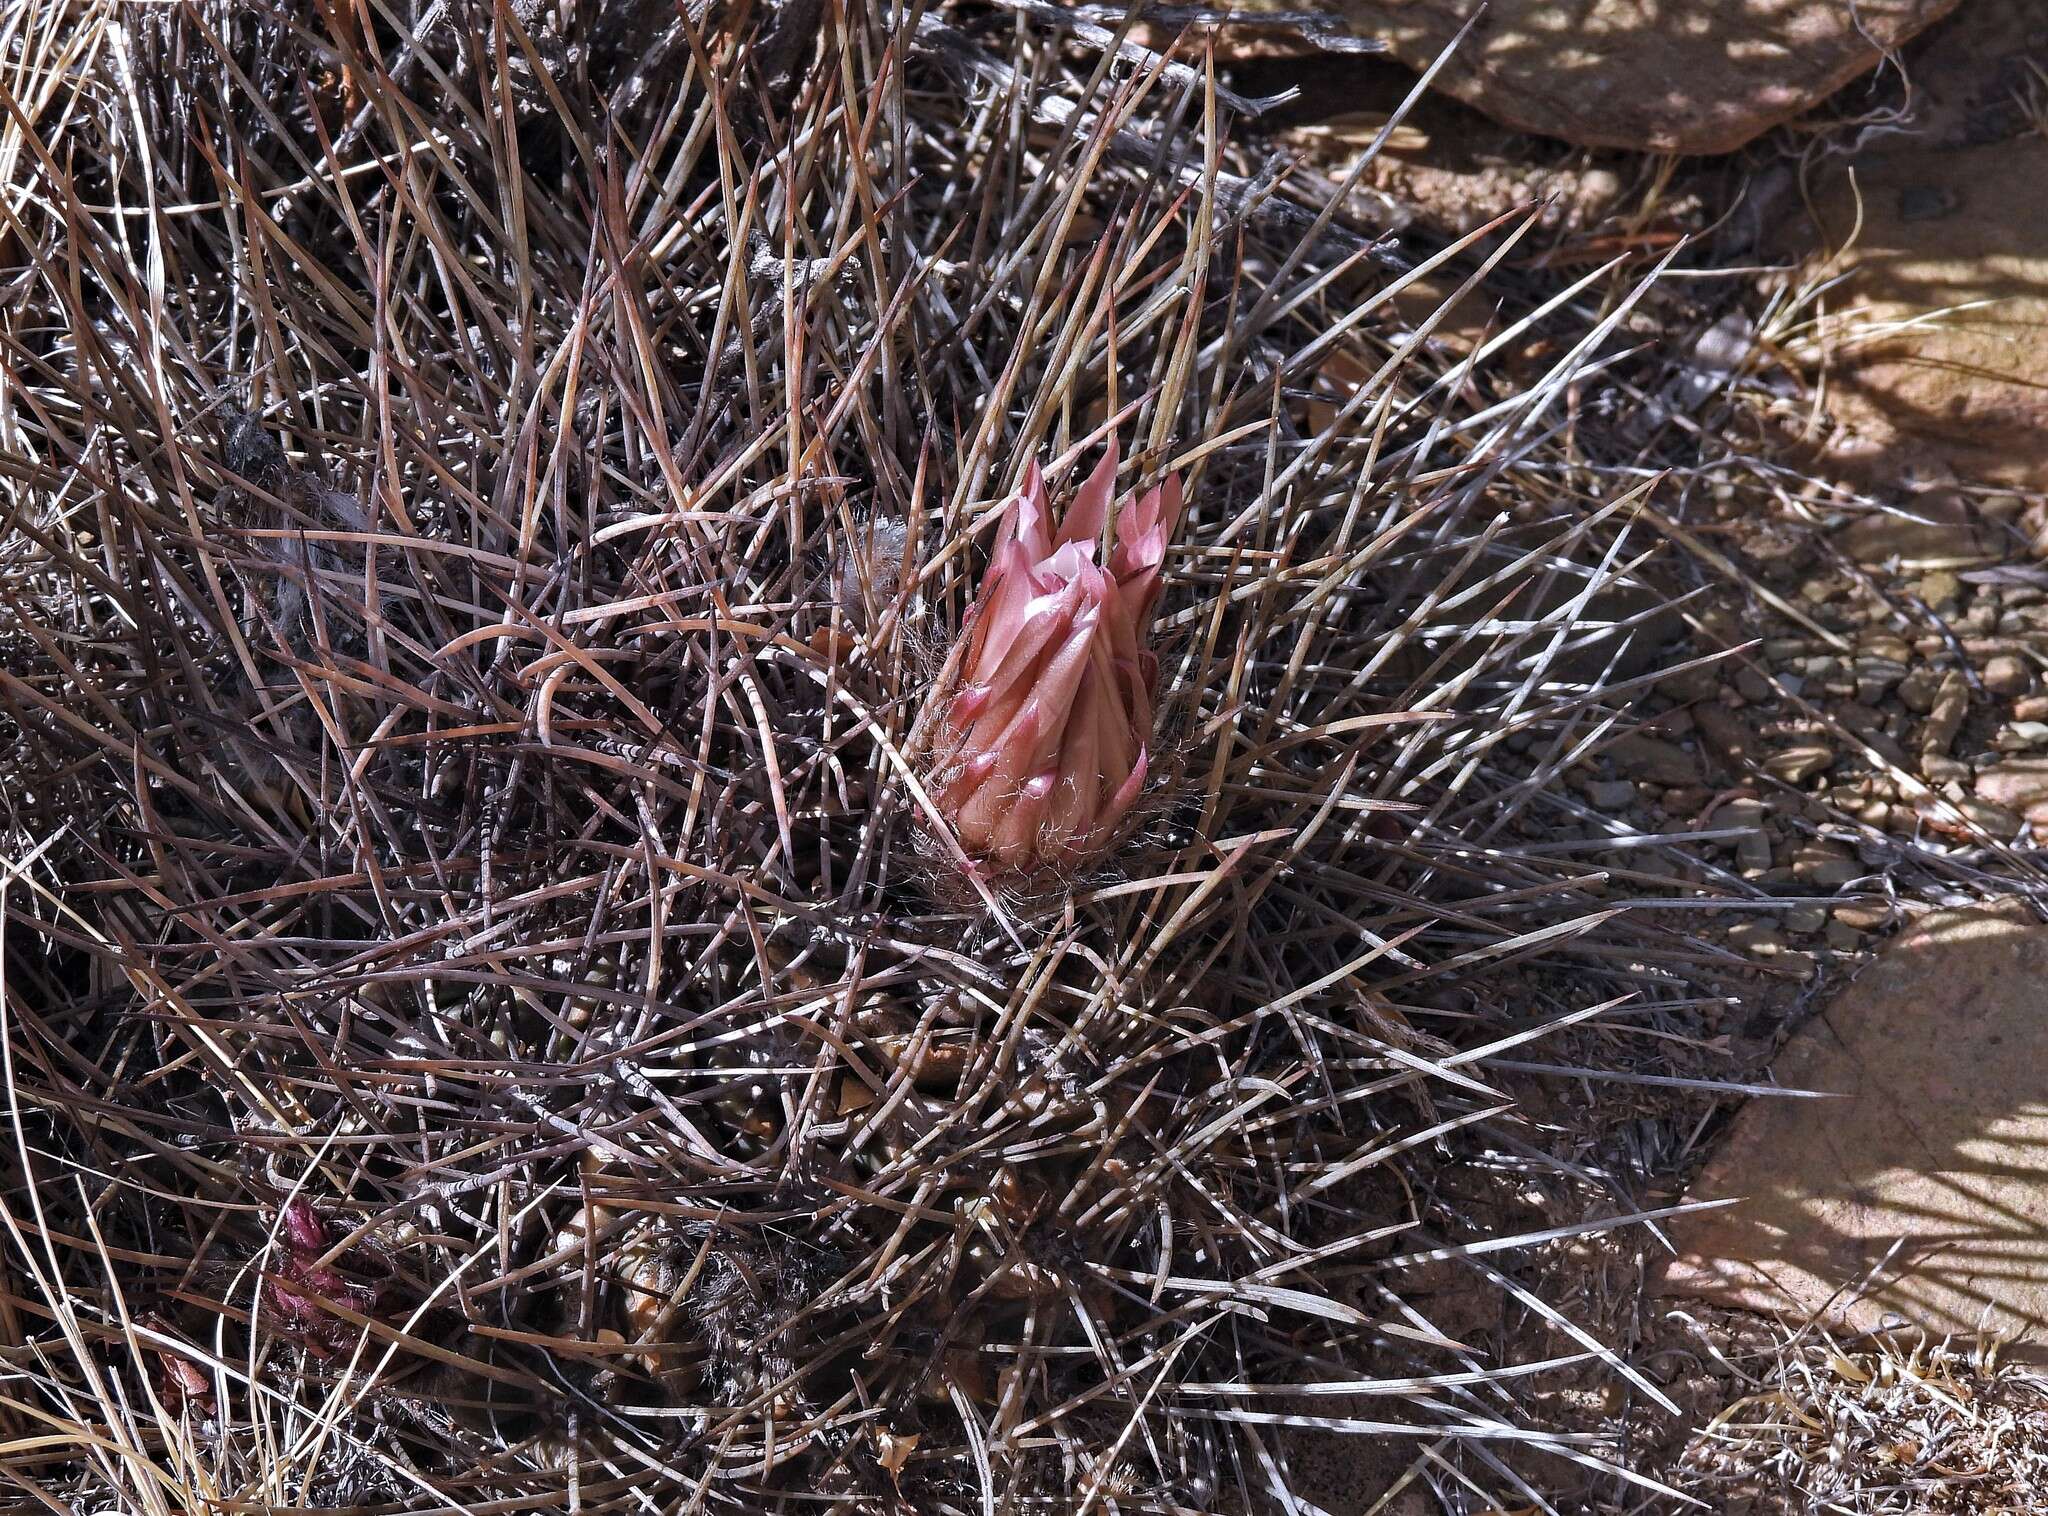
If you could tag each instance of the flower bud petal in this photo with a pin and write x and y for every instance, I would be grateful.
(1090, 510)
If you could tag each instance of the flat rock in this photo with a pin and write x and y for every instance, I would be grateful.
(1656, 759)
(1939, 1149)
(1934, 343)
(1826, 864)
(1800, 762)
(1611, 794)
(1702, 78)
(1937, 533)
(2017, 784)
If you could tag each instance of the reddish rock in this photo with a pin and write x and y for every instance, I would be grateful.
(1921, 1198)
(1931, 343)
(1704, 77)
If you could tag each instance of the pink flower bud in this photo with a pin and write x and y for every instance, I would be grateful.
(301, 1282)
(1043, 742)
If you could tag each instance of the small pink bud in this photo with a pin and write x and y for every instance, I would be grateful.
(301, 1281)
(304, 1232)
(1046, 725)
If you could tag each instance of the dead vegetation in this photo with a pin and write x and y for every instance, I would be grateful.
(1875, 1425)
(481, 495)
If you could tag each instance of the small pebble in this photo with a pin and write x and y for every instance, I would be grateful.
(1753, 853)
(1918, 690)
(1754, 687)
(1611, 794)
(1684, 800)
(1727, 735)
(1939, 588)
(2030, 708)
(2020, 736)
(2017, 785)
(1825, 865)
(1842, 937)
(2007, 675)
(1740, 811)
(1863, 915)
(1994, 820)
(1645, 757)
(1797, 764)
(1801, 963)
(1945, 718)
(1694, 684)
(1805, 919)
(1758, 938)
(1874, 676)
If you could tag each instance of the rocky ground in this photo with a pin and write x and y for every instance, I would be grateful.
(1857, 736)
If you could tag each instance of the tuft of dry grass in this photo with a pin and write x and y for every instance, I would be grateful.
(1878, 1425)
(479, 489)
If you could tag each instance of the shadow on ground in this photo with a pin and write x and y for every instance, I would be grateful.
(1920, 1197)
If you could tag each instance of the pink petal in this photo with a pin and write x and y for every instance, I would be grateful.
(1024, 519)
(1082, 763)
(1085, 517)
(1135, 598)
(304, 1230)
(1170, 505)
(1141, 679)
(1002, 621)
(1145, 527)
(1071, 561)
(970, 702)
(1007, 579)
(1127, 792)
(1140, 554)
(1053, 693)
(1001, 669)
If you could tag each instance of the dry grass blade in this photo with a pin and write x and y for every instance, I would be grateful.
(482, 489)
